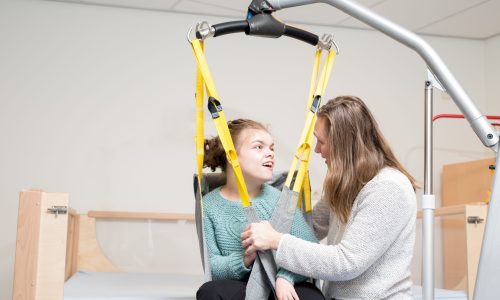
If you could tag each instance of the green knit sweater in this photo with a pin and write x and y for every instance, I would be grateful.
(225, 220)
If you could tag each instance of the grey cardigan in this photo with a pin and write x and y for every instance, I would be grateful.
(370, 256)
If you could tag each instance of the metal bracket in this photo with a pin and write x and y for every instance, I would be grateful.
(474, 220)
(203, 30)
(56, 210)
(260, 6)
(326, 42)
(431, 77)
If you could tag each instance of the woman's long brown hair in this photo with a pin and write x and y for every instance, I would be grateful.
(358, 151)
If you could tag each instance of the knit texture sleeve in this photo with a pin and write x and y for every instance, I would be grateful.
(301, 230)
(227, 262)
(379, 215)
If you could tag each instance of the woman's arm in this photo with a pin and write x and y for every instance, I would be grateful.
(300, 229)
(379, 218)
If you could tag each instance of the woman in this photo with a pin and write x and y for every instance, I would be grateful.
(367, 212)
(225, 219)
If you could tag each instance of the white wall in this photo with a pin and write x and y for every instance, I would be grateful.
(493, 76)
(98, 102)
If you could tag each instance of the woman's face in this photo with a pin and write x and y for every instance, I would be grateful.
(322, 144)
(256, 155)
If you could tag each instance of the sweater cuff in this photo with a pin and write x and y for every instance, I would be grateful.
(285, 239)
(281, 241)
(288, 276)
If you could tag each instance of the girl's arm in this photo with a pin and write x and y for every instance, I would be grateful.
(321, 219)
(223, 266)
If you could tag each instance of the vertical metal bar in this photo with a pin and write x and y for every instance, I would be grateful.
(428, 138)
(428, 203)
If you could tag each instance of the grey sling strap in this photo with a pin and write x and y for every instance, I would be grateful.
(261, 280)
(259, 284)
(284, 212)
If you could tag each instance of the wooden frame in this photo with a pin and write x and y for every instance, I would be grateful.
(462, 183)
(51, 247)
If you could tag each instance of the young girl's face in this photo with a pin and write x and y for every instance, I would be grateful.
(255, 150)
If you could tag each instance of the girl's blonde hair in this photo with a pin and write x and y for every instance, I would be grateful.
(358, 151)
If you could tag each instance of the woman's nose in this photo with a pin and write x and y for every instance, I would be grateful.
(316, 148)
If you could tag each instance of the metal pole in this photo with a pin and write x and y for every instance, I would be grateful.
(428, 202)
(478, 122)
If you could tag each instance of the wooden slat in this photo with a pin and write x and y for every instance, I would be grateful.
(52, 251)
(28, 229)
(446, 211)
(72, 244)
(140, 216)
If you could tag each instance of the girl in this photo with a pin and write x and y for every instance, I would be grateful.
(225, 218)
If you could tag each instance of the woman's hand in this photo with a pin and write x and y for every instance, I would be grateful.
(285, 290)
(259, 236)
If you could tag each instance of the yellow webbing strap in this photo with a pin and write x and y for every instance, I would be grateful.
(305, 195)
(219, 120)
(200, 133)
(314, 76)
(317, 61)
(304, 149)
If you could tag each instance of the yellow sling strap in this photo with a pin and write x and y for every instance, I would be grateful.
(200, 131)
(304, 149)
(219, 120)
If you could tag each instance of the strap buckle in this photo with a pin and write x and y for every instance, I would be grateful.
(214, 107)
(315, 104)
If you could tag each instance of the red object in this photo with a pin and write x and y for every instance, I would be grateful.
(457, 116)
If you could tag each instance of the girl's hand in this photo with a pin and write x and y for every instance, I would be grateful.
(285, 290)
(249, 258)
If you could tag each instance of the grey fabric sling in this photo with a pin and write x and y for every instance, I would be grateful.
(262, 278)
